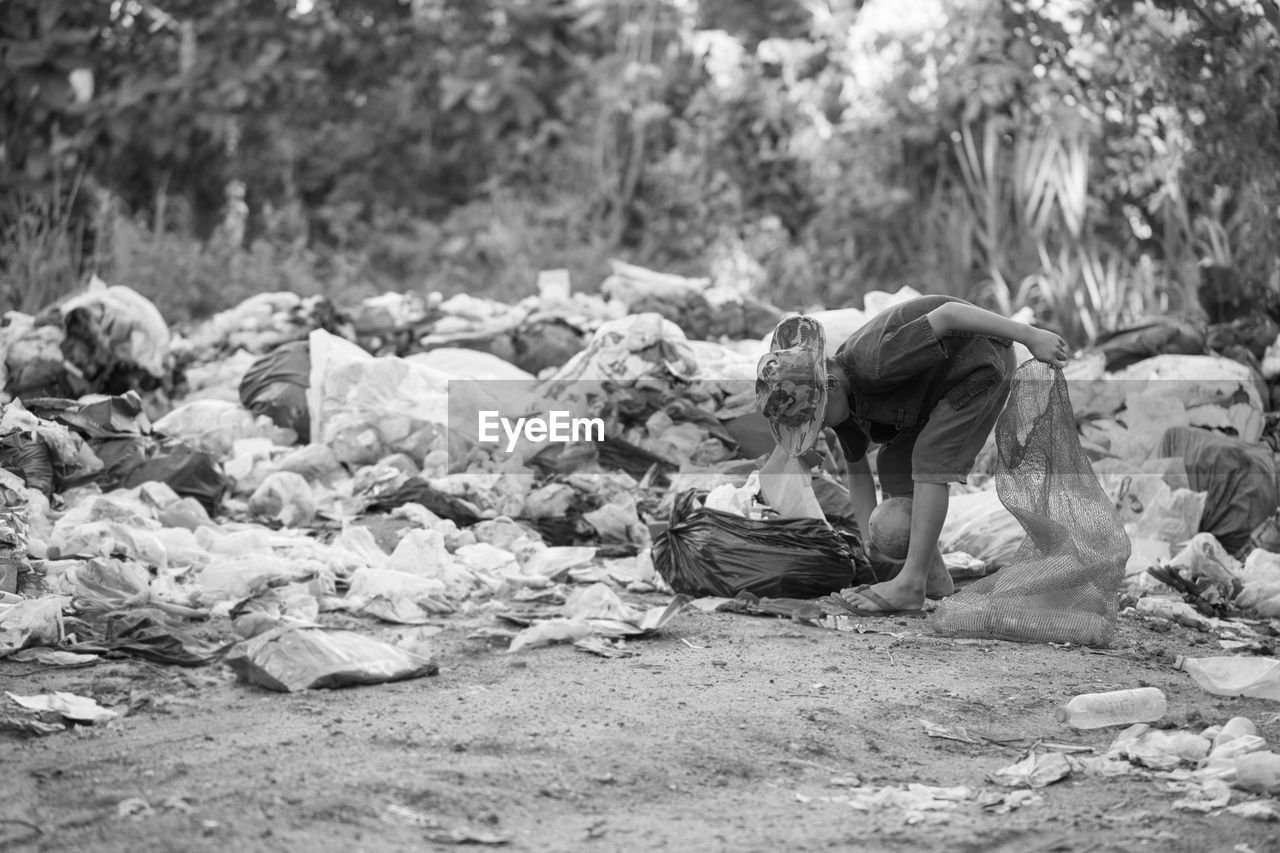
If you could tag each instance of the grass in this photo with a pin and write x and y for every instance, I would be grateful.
(42, 246)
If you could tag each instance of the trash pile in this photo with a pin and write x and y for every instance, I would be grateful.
(227, 491)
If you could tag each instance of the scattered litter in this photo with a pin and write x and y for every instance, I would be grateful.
(948, 733)
(77, 709)
(439, 832)
(918, 803)
(1033, 771)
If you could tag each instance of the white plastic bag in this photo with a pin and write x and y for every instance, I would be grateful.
(787, 487)
(978, 524)
(215, 425)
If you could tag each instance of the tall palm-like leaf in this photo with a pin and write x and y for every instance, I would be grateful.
(1035, 185)
(979, 169)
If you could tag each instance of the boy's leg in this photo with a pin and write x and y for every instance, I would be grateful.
(893, 467)
(942, 452)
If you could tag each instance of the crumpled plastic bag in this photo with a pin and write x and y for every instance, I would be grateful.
(597, 601)
(302, 658)
(398, 597)
(285, 497)
(364, 407)
(979, 525)
(69, 706)
(110, 539)
(103, 586)
(112, 326)
(31, 622)
(215, 425)
(787, 487)
(1261, 584)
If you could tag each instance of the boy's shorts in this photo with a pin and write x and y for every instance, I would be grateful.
(944, 448)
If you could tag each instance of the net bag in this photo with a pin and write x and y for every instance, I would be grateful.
(1062, 584)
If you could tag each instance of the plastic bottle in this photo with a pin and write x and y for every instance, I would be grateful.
(1117, 708)
(1235, 676)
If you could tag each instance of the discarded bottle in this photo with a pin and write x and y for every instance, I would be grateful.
(1234, 676)
(1117, 708)
(1259, 771)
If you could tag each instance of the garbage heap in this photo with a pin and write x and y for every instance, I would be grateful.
(254, 480)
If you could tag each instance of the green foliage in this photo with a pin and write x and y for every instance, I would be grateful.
(1088, 159)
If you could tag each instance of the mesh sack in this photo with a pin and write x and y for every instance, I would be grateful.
(1063, 582)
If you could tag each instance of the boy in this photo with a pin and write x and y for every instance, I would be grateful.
(925, 379)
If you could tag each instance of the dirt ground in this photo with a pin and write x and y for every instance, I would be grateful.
(725, 732)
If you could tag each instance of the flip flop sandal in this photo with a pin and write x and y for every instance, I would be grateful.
(874, 598)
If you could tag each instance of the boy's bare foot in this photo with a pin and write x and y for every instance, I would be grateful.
(939, 583)
(888, 598)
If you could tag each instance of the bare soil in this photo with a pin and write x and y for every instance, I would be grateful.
(722, 733)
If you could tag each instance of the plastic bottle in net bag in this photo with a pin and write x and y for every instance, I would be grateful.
(1062, 583)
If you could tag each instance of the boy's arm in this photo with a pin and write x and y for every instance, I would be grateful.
(862, 491)
(1044, 345)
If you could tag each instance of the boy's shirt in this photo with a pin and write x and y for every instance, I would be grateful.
(899, 370)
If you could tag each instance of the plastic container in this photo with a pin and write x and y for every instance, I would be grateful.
(1235, 676)
(1116, 708)
(1234, 728)
(1259, 771)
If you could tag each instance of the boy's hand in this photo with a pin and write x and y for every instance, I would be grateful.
(1048, 347)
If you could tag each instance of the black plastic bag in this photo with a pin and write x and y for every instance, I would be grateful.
(276, 386)
(1158, 336)
(419, 491)
(1239, 477)
(29, 458)
(133, 460)
(708, 552)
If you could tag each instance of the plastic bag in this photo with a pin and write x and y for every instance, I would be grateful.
(30, 458)
(980, 525)
(296, 658)
(191, 473)
(113, 332)
(285, 497)
(365, 407)
(788, 488)
(704, 552)
(215, 425)
(1238, 476)
(276, 386)
(1158, 336)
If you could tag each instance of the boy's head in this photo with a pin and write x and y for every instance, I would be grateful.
(792, 383)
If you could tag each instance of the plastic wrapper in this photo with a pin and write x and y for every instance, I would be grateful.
(705, 552)
(295, 658)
